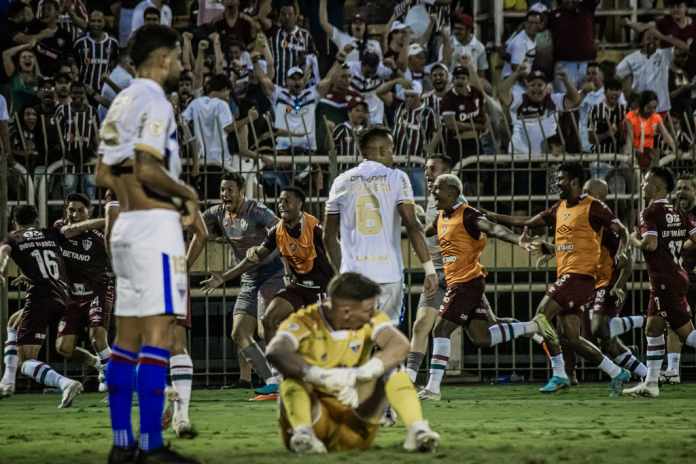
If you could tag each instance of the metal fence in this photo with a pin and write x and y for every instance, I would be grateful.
(501, 182)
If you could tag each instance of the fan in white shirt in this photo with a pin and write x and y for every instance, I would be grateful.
(357, 37)
(138, 20)
(366, 207)
(521, 45)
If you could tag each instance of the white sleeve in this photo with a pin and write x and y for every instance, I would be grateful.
(188, 112)
(404, 189)
(517, 51)
(383, 71)
(336, 195)
(138, 17)
(482, 62)
(166, 15)
(225, 114)
(558, 100)
(623, 69)
(668, 53)
(4, 115)
(153, 129)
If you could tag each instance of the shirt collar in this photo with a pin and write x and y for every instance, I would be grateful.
(150, 83)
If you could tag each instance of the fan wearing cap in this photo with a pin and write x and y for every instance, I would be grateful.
(464, 112)
(295, 105)
(358, 36)
(417, 71)
(396, 43)
(414, 129)
(345, 135)
(439, 77)
(63, 82)
(535, 128)
(521, 46)
(463, 42)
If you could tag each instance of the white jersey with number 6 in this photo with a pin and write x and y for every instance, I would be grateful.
(366, 197)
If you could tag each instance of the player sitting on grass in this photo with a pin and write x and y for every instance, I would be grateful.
(335, 389)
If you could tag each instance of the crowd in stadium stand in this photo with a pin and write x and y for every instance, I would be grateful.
(269, 80)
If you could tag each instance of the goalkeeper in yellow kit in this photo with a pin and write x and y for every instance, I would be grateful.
(336, 385)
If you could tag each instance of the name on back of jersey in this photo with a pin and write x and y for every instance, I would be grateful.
(42, 244)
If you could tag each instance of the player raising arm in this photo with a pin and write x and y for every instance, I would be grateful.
(366, 207)
(335, 388)
(140, 163)
(578, 220)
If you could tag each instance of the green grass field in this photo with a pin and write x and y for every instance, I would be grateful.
(503, 424)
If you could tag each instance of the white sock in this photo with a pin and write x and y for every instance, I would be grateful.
(181, 372)
(558, 366)
(654, 355)
(272, 380)
(673, 361)
(619, 325)
(502, 332)
(691, 339)
(104, 356)
(43, 373)
(608, 367)
(412, 374)
(630, 362)
(11, 358)
(438, 363)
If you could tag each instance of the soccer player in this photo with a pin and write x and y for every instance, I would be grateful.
(366, 206)
(578, 221)
(298, 239)
(664, 231)
(37, 254)
(91, 284)
(140, 163)
(610, 291)
(685, 196)
(426, 314)
(335, 388)
(462, 233)
(244, 223)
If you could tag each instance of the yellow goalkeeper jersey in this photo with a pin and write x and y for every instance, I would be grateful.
(321, 345)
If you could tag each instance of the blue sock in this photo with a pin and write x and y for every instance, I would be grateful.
(120, 373)
(152, 378)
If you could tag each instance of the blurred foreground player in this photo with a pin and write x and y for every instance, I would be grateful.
(140, 163)
(335, 389)
(664, 233)
(37, 254)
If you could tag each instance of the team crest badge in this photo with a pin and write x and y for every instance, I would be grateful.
(86, 244)
(355, 346)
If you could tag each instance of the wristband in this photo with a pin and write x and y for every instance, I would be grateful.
(429, 267)
(372, 369)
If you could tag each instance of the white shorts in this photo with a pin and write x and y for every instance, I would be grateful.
(149, 261)
(391, 300)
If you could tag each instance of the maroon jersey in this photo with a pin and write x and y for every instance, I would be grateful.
(86, 261)
(672, 228)
(37, 254)
(464, 108)
(689, 256)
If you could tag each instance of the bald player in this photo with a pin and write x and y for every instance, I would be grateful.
(610, 291)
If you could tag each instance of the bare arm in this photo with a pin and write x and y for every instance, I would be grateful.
(217, 279)
(675, 42)
(219, 56)
(414, 230)
(324, 18)
(498, 231)
(646, 243)
(149, 171)
(10, 53)
(5, 251)
(73, 230)
(393, 347)
(505, 87)
(572, 96)
(111, 214)
(200, 235)
(515, 221)
(629, 138)
(264, 81)
(187, 51)
(668, 138)
(103, 176)
(333, 247)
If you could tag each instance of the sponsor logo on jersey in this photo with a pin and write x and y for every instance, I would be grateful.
(87, 244)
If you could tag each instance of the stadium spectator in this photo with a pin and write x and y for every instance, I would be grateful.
(439, 76)
(535, 126)
(72, 17)
(17, 25)
(463, 42)
(413, 132)
(140, 10)
(396, 44)
(681, 87)
(357, 37)
(648, 68)
(53, 42)
(63, 82)
(234, 25)
(572, 29)
(367, 76)
(292, 46)
(22, 69)
(416, 71)
(152, 16)
(96, 52)
(346, 134)
(642, 126)
(5, 147)
(606, 131)
(521, 45)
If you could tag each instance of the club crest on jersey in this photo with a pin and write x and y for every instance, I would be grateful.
(355, 346)
(87, 244)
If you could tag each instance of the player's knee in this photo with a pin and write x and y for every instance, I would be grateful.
(241, 336)
(65, 347)
(421, 327)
